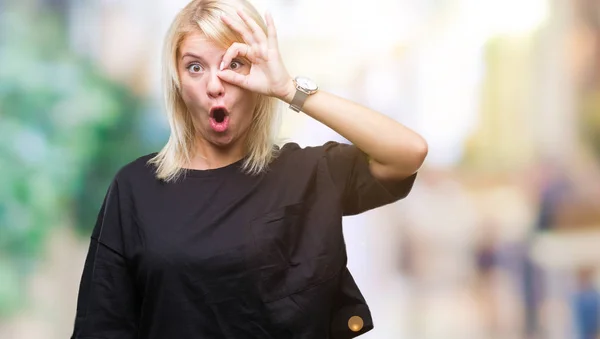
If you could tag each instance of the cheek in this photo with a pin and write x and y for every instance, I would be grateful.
(249, 100)
(249, 107)
(190, 92)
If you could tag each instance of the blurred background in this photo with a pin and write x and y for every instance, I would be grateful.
(500, 237)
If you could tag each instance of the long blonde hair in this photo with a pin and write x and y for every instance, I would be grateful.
(204, 16)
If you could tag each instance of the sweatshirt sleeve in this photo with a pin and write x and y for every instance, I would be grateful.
(107, 303)
(360, 190)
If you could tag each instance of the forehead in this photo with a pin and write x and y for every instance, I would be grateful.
(197, 43)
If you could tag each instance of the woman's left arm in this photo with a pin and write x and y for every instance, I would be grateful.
(395, 151)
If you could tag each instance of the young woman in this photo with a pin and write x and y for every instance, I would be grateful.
(222, 234)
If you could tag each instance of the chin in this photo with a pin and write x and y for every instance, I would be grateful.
(222, 141)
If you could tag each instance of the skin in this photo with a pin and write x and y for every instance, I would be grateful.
(395, 151)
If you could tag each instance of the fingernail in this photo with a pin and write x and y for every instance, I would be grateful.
(222, 66)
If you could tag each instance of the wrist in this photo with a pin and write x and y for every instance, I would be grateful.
(288, 92)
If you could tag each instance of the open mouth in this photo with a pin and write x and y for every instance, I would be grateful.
(219, 114)
(219, 119)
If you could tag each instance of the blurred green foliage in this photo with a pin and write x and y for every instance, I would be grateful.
(65, 130)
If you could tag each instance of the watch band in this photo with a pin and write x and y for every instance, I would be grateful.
(298, 100)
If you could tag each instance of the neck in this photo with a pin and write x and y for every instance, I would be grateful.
(208, 156)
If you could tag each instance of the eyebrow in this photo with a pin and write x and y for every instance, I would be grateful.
(193, 56)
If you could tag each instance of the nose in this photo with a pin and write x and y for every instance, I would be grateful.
(214, 87)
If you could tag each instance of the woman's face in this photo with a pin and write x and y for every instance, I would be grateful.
(222, 113)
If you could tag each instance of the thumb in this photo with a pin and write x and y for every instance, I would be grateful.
(233, 78)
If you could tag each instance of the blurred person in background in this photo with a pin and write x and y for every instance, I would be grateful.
(586, 305)
(223, 234)
(551, 189)
(487, 268)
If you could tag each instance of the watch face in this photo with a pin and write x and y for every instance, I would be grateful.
(306, 83)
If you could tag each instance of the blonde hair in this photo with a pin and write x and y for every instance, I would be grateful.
(204, 16)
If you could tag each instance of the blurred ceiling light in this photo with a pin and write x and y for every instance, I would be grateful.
(382, 22)
(518, 16)
(508, 17)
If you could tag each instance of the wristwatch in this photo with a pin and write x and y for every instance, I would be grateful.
(304, 88)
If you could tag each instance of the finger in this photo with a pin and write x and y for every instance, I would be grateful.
(235, 50)
(233, 78)
(239, 28)
(257, 32)
(271, 31)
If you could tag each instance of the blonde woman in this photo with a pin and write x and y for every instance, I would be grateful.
(222, 234)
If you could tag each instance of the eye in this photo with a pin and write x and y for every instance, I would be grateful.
(194, 68)
(235, 64)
